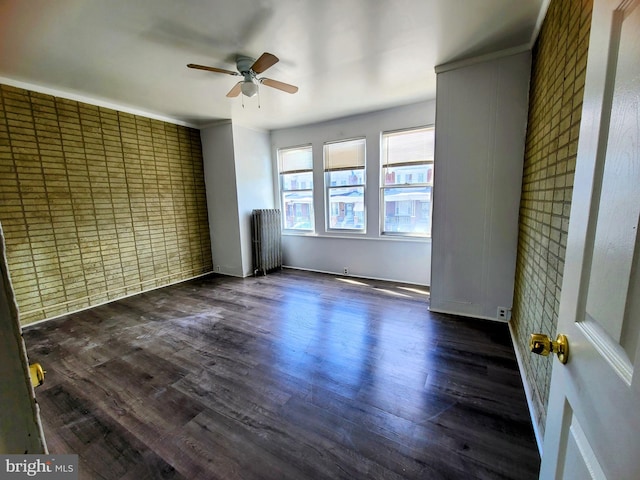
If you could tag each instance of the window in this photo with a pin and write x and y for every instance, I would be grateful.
(407, 181)
(296, 187)
(344, 164)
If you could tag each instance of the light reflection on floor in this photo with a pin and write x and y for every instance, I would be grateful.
(323, 345)
(419, 291)
(380, 357)
(391, 292)
(416, 290)
(352, 282)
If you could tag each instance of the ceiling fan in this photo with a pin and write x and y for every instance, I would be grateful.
(249, 69)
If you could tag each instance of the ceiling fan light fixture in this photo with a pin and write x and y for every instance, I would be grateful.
(249, 89)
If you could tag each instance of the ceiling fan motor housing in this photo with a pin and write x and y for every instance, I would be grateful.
(244, 65)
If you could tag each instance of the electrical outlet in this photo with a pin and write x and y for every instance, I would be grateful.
(504, 313)
(216, 268)
(346, 270)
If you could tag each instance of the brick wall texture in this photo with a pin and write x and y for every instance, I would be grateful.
(555, 103)
(96, 204)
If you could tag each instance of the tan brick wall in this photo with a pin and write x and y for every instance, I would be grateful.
(95, 203)
(555, 103)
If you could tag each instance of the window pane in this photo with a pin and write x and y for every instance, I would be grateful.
(346, 177)
(298, 210)
(297, 181)
(346, 208)
(407, 210)
(409, 174)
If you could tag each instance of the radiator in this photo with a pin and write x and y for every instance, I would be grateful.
(267, 250)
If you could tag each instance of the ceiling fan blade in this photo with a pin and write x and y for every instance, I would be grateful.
(265, 61)
(212, 69)
(285, 87)
(235, 91)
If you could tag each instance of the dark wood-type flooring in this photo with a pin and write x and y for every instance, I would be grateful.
(295, 375)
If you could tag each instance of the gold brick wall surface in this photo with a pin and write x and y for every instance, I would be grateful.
(555, 104)
(96, 204)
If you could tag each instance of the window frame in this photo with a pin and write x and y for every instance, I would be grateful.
(283, 190)
(328, 187)
(384, 165)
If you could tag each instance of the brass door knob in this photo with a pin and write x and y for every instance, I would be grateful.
(542, 344)
(36, 372)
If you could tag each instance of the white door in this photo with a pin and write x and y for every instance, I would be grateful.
(593, 418)
(20, 427)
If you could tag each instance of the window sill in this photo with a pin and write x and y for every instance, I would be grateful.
(359, 236)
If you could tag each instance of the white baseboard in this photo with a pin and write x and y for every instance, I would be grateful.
(528, 392)
(462, 314)
(339, 274)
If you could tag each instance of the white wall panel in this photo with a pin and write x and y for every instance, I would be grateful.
(253, 183)
(480, 132)
(222, 198)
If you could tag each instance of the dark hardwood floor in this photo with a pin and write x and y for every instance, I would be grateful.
(295, 375)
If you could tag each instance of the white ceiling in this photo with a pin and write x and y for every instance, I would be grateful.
(346, 56)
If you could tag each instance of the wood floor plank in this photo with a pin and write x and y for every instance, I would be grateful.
(295, 375)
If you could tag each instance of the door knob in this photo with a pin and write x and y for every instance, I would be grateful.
(542, 344)
(36, 372)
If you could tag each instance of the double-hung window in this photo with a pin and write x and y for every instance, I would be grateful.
(296, 188)
(344, 169)
(407, 181)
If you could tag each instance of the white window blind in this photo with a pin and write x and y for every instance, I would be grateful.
(298, 159)
(408, 147)
(347, 155)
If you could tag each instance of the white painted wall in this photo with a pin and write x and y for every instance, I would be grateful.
(238, 178)
(222, 198)
(254, 183)
(401, 261)
(368, 255)
(481, 125)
